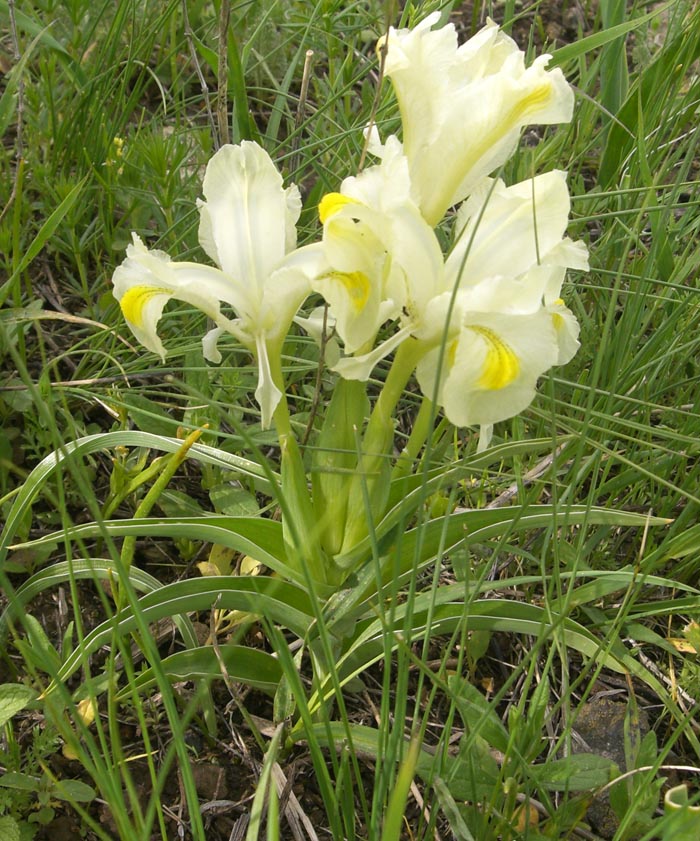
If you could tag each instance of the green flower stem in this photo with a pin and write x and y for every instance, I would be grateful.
(421, 428)
(301, 534)
(371, 480)
(334, 460)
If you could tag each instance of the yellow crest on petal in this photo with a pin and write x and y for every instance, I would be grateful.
(356, 284)
(331, 203)
(558, 318)
(501, 365)
(536, 99)
(135, 299)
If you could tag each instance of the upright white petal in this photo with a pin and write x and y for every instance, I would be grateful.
(507, 230)
(511, 252)
(247, 220)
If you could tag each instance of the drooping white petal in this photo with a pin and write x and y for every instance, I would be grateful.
(567, 330)
(209, 345)
(267, 394)
(490, 371)
(147, 280)
(360, 367)
(485, 436)
(511, 252)
(286, 288)
(569, 254)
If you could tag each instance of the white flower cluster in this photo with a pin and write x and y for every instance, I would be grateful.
(484, 323)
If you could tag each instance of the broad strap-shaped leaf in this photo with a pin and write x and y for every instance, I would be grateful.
(107, 441)
(440, 478)
(243, 664)
(421, 544)
(91, 569)
(260, 538)
(278, 601)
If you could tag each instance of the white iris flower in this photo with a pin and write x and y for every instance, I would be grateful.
(510, 324)
(247, 227)
(462, 108)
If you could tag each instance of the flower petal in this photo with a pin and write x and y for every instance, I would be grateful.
(567, 331)
(490, 372)
(384, 260)
(147, 280)
(320, 326)
(360, 367)
(247, 219)
(209, 349)
(354, 279)
(267, 394)
(485, 436)
(506, 230)
(285, 289)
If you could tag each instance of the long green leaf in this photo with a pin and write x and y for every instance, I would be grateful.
(653, 86)
(477, 525)
(277, 600)
(43, 235)
(99, 568)
(107, 441)
(260, 538)
(575, 50)
(243, 664)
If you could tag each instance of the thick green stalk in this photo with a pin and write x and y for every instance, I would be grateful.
(371, 481)
(422, 425)
(334, 460)
(301, 534)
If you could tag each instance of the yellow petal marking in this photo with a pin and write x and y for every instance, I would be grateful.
(451, 354)
(135, 299)
(356, 284)
(501, 365)
(331, 203)
(558, 318)
(535, 100)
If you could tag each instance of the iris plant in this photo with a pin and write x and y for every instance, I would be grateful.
(477, 325)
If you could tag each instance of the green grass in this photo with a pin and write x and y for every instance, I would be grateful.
(497, 627)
